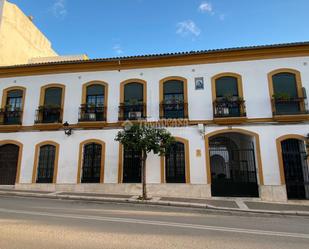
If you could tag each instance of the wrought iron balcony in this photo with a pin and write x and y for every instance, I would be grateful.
(224, 108)
(88, 113)
(289, 106)
(9, 116)
(174, 110)
(48, 115)
(132, 111)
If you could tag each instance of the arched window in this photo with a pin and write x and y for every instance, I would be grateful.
(9, 157)
(133, 100)
(92, 163)
(51, 104)
(12, 106)
(46, 164)
(175, 164)
(227, 95)
(173, 100)
(286, 90)
(94, 102)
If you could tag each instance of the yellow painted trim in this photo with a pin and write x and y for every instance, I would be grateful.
(187, 161)
(279, 152)
(42, 96)
(143, 82)
(80, 158)
(185, 91)
(298, 84)
(20, 154)
(232, 130)
(36, 160)
(241, 54)
(5, 94)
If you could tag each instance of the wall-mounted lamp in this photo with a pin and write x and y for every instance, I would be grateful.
(67, 129)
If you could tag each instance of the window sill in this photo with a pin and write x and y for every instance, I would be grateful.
(291, 118)
(10, 128)
(230, 120)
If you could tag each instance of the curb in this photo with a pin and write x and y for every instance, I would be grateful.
(150, 202)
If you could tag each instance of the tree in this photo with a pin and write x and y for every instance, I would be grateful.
(145, 139)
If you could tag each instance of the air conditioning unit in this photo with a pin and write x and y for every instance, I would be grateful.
(91, 116)
(135, 115)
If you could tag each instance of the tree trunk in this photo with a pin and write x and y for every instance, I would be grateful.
(144, 157)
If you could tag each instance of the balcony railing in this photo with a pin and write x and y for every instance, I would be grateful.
(289, 106)
(224, 108)
(174, 110)
(92, 113)
(10, 117)
(47, 115)
(132, 112)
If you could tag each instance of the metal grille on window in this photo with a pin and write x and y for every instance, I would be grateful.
(175, 164)
(8, 163)
(46, 164)
(91, 170)
(131, 166)
(295, 168)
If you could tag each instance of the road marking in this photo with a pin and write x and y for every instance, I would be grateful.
(241, 205)
(158, 223)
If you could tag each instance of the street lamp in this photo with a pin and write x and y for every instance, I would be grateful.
(67, 129)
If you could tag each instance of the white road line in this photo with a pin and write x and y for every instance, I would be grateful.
(158, 223)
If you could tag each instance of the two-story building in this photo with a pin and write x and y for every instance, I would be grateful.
(241, 123)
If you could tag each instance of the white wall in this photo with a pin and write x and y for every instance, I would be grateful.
(69, 151)
(254, 74)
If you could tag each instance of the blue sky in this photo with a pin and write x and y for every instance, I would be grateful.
(109, 28)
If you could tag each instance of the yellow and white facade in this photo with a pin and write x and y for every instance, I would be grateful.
(258, 125)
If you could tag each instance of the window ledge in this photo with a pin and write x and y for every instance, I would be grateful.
(230, 120)
(48, 126)
(10, 128)
(291, 118)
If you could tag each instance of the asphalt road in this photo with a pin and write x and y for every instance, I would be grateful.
(29, 223)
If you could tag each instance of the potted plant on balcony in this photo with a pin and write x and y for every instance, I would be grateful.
(281, 96)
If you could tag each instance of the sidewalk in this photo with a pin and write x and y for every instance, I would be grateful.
(235, 204)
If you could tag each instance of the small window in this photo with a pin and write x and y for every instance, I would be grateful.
(53, 97)
(226, 86)
(95, 95)
(285, 95)
(133, 92)
(285, 83)
(14, 100)
(173, 105)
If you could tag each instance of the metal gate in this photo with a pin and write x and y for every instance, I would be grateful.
(8, 163)
(175, 164)
(295, 169)
(92, 163)
(233, 169)
(131, 166)
(46, 164)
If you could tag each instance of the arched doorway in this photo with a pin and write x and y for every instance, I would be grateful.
(232, 165)
(9, 154)
(295, 165)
